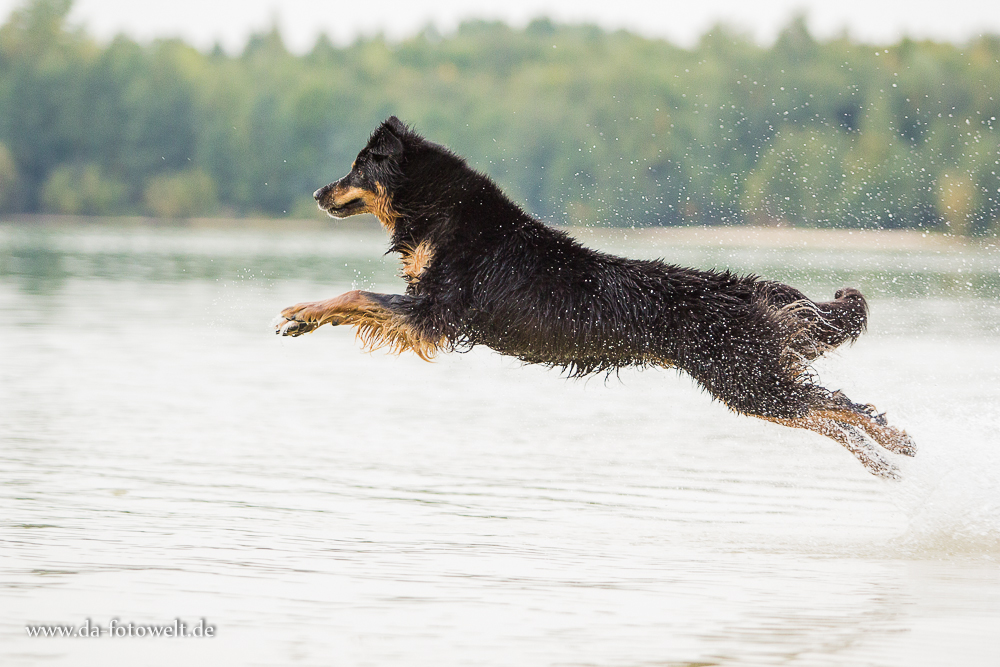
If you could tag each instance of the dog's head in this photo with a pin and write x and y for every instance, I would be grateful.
(373, 178)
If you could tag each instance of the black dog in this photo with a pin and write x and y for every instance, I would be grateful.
(480, 271)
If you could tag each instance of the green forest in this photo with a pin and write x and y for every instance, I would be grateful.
(578, 124)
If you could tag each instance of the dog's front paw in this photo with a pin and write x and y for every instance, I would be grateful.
(293, 327)
(299, 319)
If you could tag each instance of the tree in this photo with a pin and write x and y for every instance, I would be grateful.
(181, 194)
(83, 189)
(9, 181)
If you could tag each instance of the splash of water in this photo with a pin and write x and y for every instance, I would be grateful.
(950, 493)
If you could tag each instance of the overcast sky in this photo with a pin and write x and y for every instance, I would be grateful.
(204, 22)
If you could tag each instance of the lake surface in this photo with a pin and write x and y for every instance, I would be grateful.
(165, 456)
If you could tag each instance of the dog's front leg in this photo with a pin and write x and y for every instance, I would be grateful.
(381, 320)
(305, 317)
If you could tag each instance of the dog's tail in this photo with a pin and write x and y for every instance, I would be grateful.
(814, 328)
(843, 319)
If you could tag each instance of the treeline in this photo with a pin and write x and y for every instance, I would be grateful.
(579, 124)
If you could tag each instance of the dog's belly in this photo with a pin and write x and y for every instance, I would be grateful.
(567, 343)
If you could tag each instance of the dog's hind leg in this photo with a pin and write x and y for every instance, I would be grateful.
(850, 436)
(381, 321)
(867, 419)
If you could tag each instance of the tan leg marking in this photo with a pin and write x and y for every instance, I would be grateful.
(377, 326)
(848, 435)
(891, 438)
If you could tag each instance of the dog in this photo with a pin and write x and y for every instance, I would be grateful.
(479, 270)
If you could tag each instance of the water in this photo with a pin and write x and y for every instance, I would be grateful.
(165, 456)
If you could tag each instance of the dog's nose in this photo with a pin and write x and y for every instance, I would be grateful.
(318, 193)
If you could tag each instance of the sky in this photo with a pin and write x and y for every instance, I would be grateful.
(229, 22)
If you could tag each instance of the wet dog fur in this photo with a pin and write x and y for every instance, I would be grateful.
(481, 271)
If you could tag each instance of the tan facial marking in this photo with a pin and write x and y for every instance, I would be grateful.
(341, 197)
(381, 206)
(377, 203)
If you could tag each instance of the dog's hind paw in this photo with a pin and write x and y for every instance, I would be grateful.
(875, 425)
(868, 453)
(900, 443)
(879, 466)
(882, 468)
(893, 439)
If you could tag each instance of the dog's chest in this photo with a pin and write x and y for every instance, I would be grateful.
(416, 260)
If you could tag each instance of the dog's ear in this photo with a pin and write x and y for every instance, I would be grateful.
(387, 145)
(387, 140)
(397, 126)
